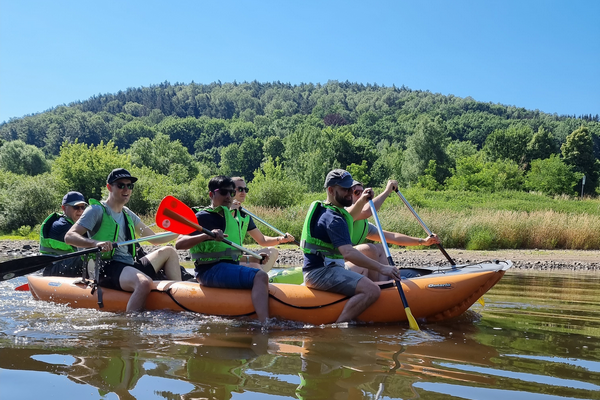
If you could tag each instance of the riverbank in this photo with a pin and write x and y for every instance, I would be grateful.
(574, 260)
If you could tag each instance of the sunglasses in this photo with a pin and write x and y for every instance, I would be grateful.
(121, 185)
(226, 192)
(242, 189)
(345, 189)
(79, 207)
(358, 192)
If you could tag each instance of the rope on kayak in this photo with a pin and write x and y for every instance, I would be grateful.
(381, 286)
(168, 292)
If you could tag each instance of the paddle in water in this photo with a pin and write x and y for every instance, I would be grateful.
(173, 215)
(420, 221)
(23, 266)
(412, 322)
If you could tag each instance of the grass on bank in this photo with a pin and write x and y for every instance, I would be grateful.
(469, 220)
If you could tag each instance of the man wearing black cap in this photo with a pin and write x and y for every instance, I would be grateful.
(52, 236)
(327, 244)
(110, 221)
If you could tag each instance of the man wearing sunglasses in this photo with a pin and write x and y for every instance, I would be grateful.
(52, 236)
(217, 263)
(363, 230)
(327, 244)
(247, 225)
(110, 221)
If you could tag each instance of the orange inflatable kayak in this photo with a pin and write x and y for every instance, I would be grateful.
(440, 293)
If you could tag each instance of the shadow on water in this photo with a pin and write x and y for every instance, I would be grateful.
(536, 338)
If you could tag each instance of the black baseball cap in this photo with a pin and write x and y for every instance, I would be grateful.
(339, 177)
(119, 173)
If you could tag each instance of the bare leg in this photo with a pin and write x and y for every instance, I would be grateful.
(366, 294)
(375, 252)
(166, 258)
(140, 284)
(273, 254)
(260, 295)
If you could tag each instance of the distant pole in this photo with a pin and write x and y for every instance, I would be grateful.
(582, 185)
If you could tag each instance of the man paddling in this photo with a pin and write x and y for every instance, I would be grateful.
(110, 221)
(326, 242)
(52, 236)
(247, 225)
(363, 230)
(217, 263)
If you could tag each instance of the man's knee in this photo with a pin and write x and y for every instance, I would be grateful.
(368, 288)
(144, 284)
(261, 278)
(168, 251)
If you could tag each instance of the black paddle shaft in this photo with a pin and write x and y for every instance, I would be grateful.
(23, 266)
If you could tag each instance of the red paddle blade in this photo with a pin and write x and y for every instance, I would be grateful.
(23, 288)
(178, 207)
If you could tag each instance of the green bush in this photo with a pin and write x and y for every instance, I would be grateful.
(481, 238)
(85, 168)
(28, 201)
(24, 230)
(273, 188)
(23, 159)
(552, 176)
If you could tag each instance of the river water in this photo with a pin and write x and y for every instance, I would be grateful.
(536, 337)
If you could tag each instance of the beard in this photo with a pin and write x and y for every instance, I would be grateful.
(344, 201)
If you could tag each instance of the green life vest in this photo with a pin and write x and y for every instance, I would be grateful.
(360, 230)
(243, 221)
(49, 245)
(109, 230)
(211, 251)
(311, 245)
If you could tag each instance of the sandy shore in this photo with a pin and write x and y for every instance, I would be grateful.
(575, 260)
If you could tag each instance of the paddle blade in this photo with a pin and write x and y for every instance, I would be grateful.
(23, 288)
(23, 266)
(481, 301)
(412, 322)
(177, 206)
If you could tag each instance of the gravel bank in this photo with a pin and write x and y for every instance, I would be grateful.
(573, 260)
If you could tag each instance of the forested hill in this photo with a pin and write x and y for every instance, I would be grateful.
(377, 131)
(372, 112)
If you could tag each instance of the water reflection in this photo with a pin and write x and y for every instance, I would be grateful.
(523, 344)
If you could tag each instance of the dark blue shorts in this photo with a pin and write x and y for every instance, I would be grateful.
(228, 276)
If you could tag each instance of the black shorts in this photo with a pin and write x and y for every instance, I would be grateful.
(110, 272)
(72, 267)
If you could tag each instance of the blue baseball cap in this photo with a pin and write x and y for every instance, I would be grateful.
(73, 199)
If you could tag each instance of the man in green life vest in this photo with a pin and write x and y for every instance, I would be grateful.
(363, 230)
(217, 263)
(110, 221)
(326, 243)
(52, 236)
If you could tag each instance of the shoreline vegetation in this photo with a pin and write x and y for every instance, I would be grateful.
(463, 220)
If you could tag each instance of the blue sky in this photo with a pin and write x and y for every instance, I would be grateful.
(541, 55)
